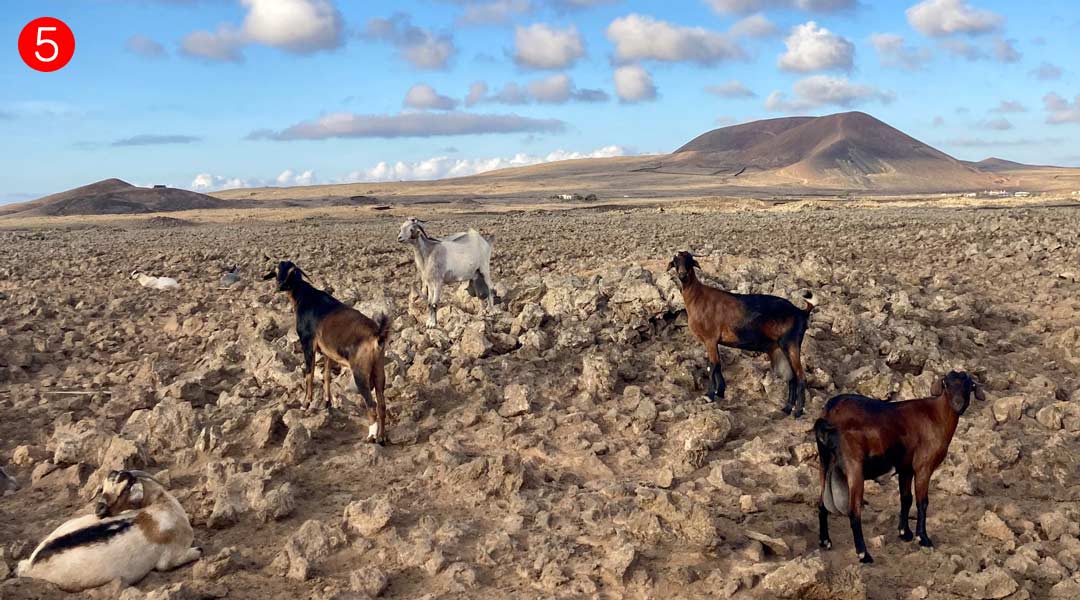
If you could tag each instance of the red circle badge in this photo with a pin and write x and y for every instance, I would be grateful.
(46, 44)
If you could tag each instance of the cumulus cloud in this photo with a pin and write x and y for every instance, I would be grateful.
(1004, 50)
(814, 48)
(206, 182)
(441, 167)
(297, 26)
(1009, 106)
(423, 96)
(422, 48)
(1046, 72)
(755, 25)
(417, 125)
(941, 18)
(477, 92)
(634, 84)
(1059, 110)
(288, 177)
(638, 37)
(555, 89)
(894, 52)
(539, 46)
(223, 45)
(749, 6)
(822, 90)
(144, 46)
(731, 89)
(153, 139)
(1001, 50)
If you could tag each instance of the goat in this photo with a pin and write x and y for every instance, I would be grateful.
(754, 322)
(464, 256)
(137, 527)
(158, 283)
(344, 336)
(861, 438)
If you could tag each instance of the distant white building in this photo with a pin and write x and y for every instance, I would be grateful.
(1076, 193)
(1022, 194)
(971, 195)
(564, 196)
(997, 193)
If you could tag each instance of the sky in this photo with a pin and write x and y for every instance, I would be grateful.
(214, 94)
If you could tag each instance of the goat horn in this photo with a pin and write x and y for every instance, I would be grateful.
(145, 475)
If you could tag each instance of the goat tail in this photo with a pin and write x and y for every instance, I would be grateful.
(811, 300)
(382, 328)
(834, 489)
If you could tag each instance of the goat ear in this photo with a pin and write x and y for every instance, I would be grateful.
(937, 388)
(135, 493)
(694, 263)
(980, 395)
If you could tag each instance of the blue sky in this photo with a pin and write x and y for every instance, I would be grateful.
(208, 94)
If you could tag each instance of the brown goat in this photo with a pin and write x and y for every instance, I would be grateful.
(344, 336)
(860, 438)
(754, 322)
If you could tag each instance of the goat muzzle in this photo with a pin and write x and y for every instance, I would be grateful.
(102, 509)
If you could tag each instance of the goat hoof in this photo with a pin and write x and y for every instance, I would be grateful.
(926, 543)
(825, 544)
(787, 410)
(866, 559)
(907, 536)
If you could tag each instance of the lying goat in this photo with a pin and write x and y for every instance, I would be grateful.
(460, 257)
(344, 336)
(861, 438)
(138, 527)
(754, 322)
(157, 283)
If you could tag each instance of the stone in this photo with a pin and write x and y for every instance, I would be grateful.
(992, 526)
(1009, 408)
(371, 581)
(297, 445)
(474, 342)
(307, 547)
(516, 400)
(990, 584)
(799, 578)
(367, 517)
(1055, 524)
(619, 561)
(597, 375)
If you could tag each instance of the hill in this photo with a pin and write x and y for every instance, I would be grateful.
(114, 197)
(850, 150)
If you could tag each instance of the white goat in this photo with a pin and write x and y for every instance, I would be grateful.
(464, 256)
(158, 283)
(138, 527)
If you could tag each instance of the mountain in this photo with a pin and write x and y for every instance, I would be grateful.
(995, 165)
(114, 197)
(850, 150)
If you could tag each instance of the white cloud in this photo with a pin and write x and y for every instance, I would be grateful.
(156, 139)
(205, 182)
(1005, 51)
(477, 92)
(539, 46)
(298, 26)
(224, 45)
(423, 96)
(301, 26)
(1060, 111)
(755, 25)
(814, 48)
(1046, 72)
(893, 52)
(422, 48)
(634, 84)
(417, 125)
(822, 90)
(288, 177)
(940, 18)
(1001, 50)
(637, 37)
(144, 46)
(555, 89)
(441, 167)
(731, 89)
(749, 6)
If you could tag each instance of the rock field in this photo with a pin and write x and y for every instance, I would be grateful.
(559, 447)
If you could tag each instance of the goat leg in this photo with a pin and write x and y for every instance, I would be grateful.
(922, 501)
(855, 500)
(905, 505)
(823, 526)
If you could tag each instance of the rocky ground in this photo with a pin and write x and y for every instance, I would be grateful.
(559, 447)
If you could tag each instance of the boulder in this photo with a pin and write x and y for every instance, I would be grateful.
(989, 584)
(367, 517)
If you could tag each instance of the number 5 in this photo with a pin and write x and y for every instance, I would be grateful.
(41, 42)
